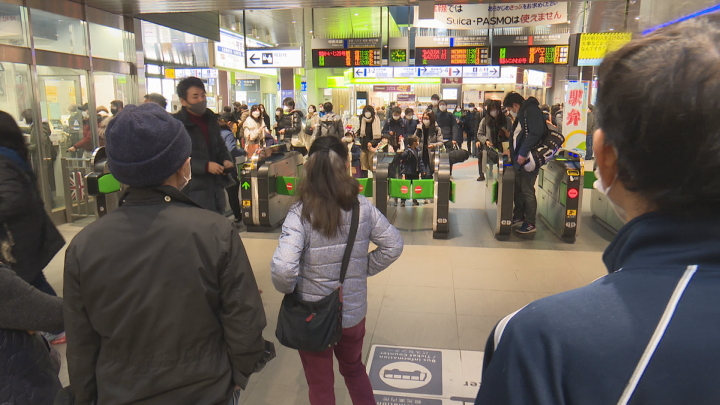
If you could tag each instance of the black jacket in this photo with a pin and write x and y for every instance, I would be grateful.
(447, 123)
(472, 123)
(532, 128)
(398, 128)
(21, 209)
(411, 162)
(161, 305)
(203, 153)
(291, 123)
(28, 373)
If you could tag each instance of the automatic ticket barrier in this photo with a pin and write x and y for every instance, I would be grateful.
(268, 181)
(559, 194)
(500, 184)
(102, 185)
(440, 189)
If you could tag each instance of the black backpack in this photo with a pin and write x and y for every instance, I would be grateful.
(328, 127)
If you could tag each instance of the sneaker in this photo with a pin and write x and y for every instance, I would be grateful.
(416, 202)
(402, 204)
(518, 220)
(526, 228)
(426, 202)
(55, 339)
(481, 178)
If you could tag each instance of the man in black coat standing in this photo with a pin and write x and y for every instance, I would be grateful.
(210, 157)
(161, 303)
(471, 123)
(529, 129)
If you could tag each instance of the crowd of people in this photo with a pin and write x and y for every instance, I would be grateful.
(161, 305)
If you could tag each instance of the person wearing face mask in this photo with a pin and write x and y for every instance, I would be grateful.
(412, 121)
(381, 115)
(86, 143)
(210, 157)
(528, 130)
(254, 131)
(321, 110)
(311, 121)
(179, 301)
(116, 106)
(493, 131)
(471, 122)
(369, 135)
(290, 126)
(434, 104)
(448, 126)
(431, 139)
(395, 127)
(645, 333)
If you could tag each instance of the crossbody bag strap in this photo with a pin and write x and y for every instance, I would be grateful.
(351, 239)
(657, 335)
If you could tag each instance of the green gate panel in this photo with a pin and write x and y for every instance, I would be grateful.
(400, 188)
(286, 185)
(366, 187)
(495, 190)
(108, 184)
(589, 180)
(423, 189)
(452, 191)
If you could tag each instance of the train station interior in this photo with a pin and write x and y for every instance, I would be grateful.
(464, 266)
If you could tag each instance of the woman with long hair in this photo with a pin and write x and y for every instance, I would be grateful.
(309, 256)
(431, 139)
(370, 132)
(269, 139)
(254, 130)
(494, 129)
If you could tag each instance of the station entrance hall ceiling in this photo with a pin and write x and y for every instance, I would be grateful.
(132, 7)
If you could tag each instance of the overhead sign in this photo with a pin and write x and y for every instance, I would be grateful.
(451, 41)
(530, 55)
(230, 51)
(516, 40)
(452, 56)
(593, 47)
(247, 84)
(484, 16)
(320, 43)
(395, 88)
(381, 72)
(274, 58)
(346, 57)
(481, 71)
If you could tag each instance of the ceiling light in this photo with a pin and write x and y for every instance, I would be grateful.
(612, 29)
(357, 14)
(637, 18)
(310, 32)
(293, 21)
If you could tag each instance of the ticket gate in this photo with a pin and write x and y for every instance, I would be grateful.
(102, 185)
(559, 194)
(604, 213)
(500, 184)
(264, 206)
(440, 189)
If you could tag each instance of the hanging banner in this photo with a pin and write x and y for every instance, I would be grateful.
(575, 114)
(479, 16)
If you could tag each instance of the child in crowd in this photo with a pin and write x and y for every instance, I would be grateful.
(412, 165)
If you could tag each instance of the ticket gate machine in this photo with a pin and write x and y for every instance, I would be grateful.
(500, 184)
(263, 208)
(559, 194)
(102, 185)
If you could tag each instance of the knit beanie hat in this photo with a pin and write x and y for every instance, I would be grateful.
(145, 145)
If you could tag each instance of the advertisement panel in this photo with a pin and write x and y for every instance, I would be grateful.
(483, 16)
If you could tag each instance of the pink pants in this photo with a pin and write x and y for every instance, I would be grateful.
(321, 378)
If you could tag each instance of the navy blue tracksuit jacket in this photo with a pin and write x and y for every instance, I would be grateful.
(582, 346)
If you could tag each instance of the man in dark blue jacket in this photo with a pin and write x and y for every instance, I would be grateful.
(528, 130)
(646, 333)
(396, 126)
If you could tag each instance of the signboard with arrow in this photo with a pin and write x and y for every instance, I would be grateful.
(274, 58)
(481, 71)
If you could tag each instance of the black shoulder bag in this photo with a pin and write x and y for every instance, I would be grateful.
(316, 326)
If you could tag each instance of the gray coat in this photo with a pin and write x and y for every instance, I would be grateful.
(311, 262)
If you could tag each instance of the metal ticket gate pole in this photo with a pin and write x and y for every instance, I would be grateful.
(443, 188)
(382, 165)
(500, 183)
(559, 192)
(102, 185)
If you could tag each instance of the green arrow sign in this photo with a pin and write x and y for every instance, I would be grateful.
(246, 185)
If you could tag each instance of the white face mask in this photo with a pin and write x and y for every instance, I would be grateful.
(256, 114)
(599, 187)
(493, 113)
(513, 113)
(187, 180)
(368, 114)
(396, 117)
(443, 108)
(435, 102)
(426, 123)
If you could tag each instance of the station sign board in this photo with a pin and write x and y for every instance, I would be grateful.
(431, 42)
(428, 71)
(531, 40)
(274, 58)
(320, 43)
(592, 47)
(530, 55)
(339, 58)
(452, 56)
(484, 16)
(374, 72)
(481, 71)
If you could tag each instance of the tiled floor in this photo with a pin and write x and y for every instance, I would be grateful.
(445, 294)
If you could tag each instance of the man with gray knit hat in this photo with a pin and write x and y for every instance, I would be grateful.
(161, 303)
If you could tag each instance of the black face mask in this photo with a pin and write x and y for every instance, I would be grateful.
(114, 111)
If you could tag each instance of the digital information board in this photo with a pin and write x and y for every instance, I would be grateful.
(530, 55)
(452, 56)
(338, 58)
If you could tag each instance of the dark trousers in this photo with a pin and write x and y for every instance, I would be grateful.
(525, 199)
(410, 177)
(319, 373)
(233, 193)
(589, 147)
(481, 167)
(470, 144)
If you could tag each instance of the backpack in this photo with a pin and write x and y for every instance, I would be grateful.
(328, 126)
(545, 150)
